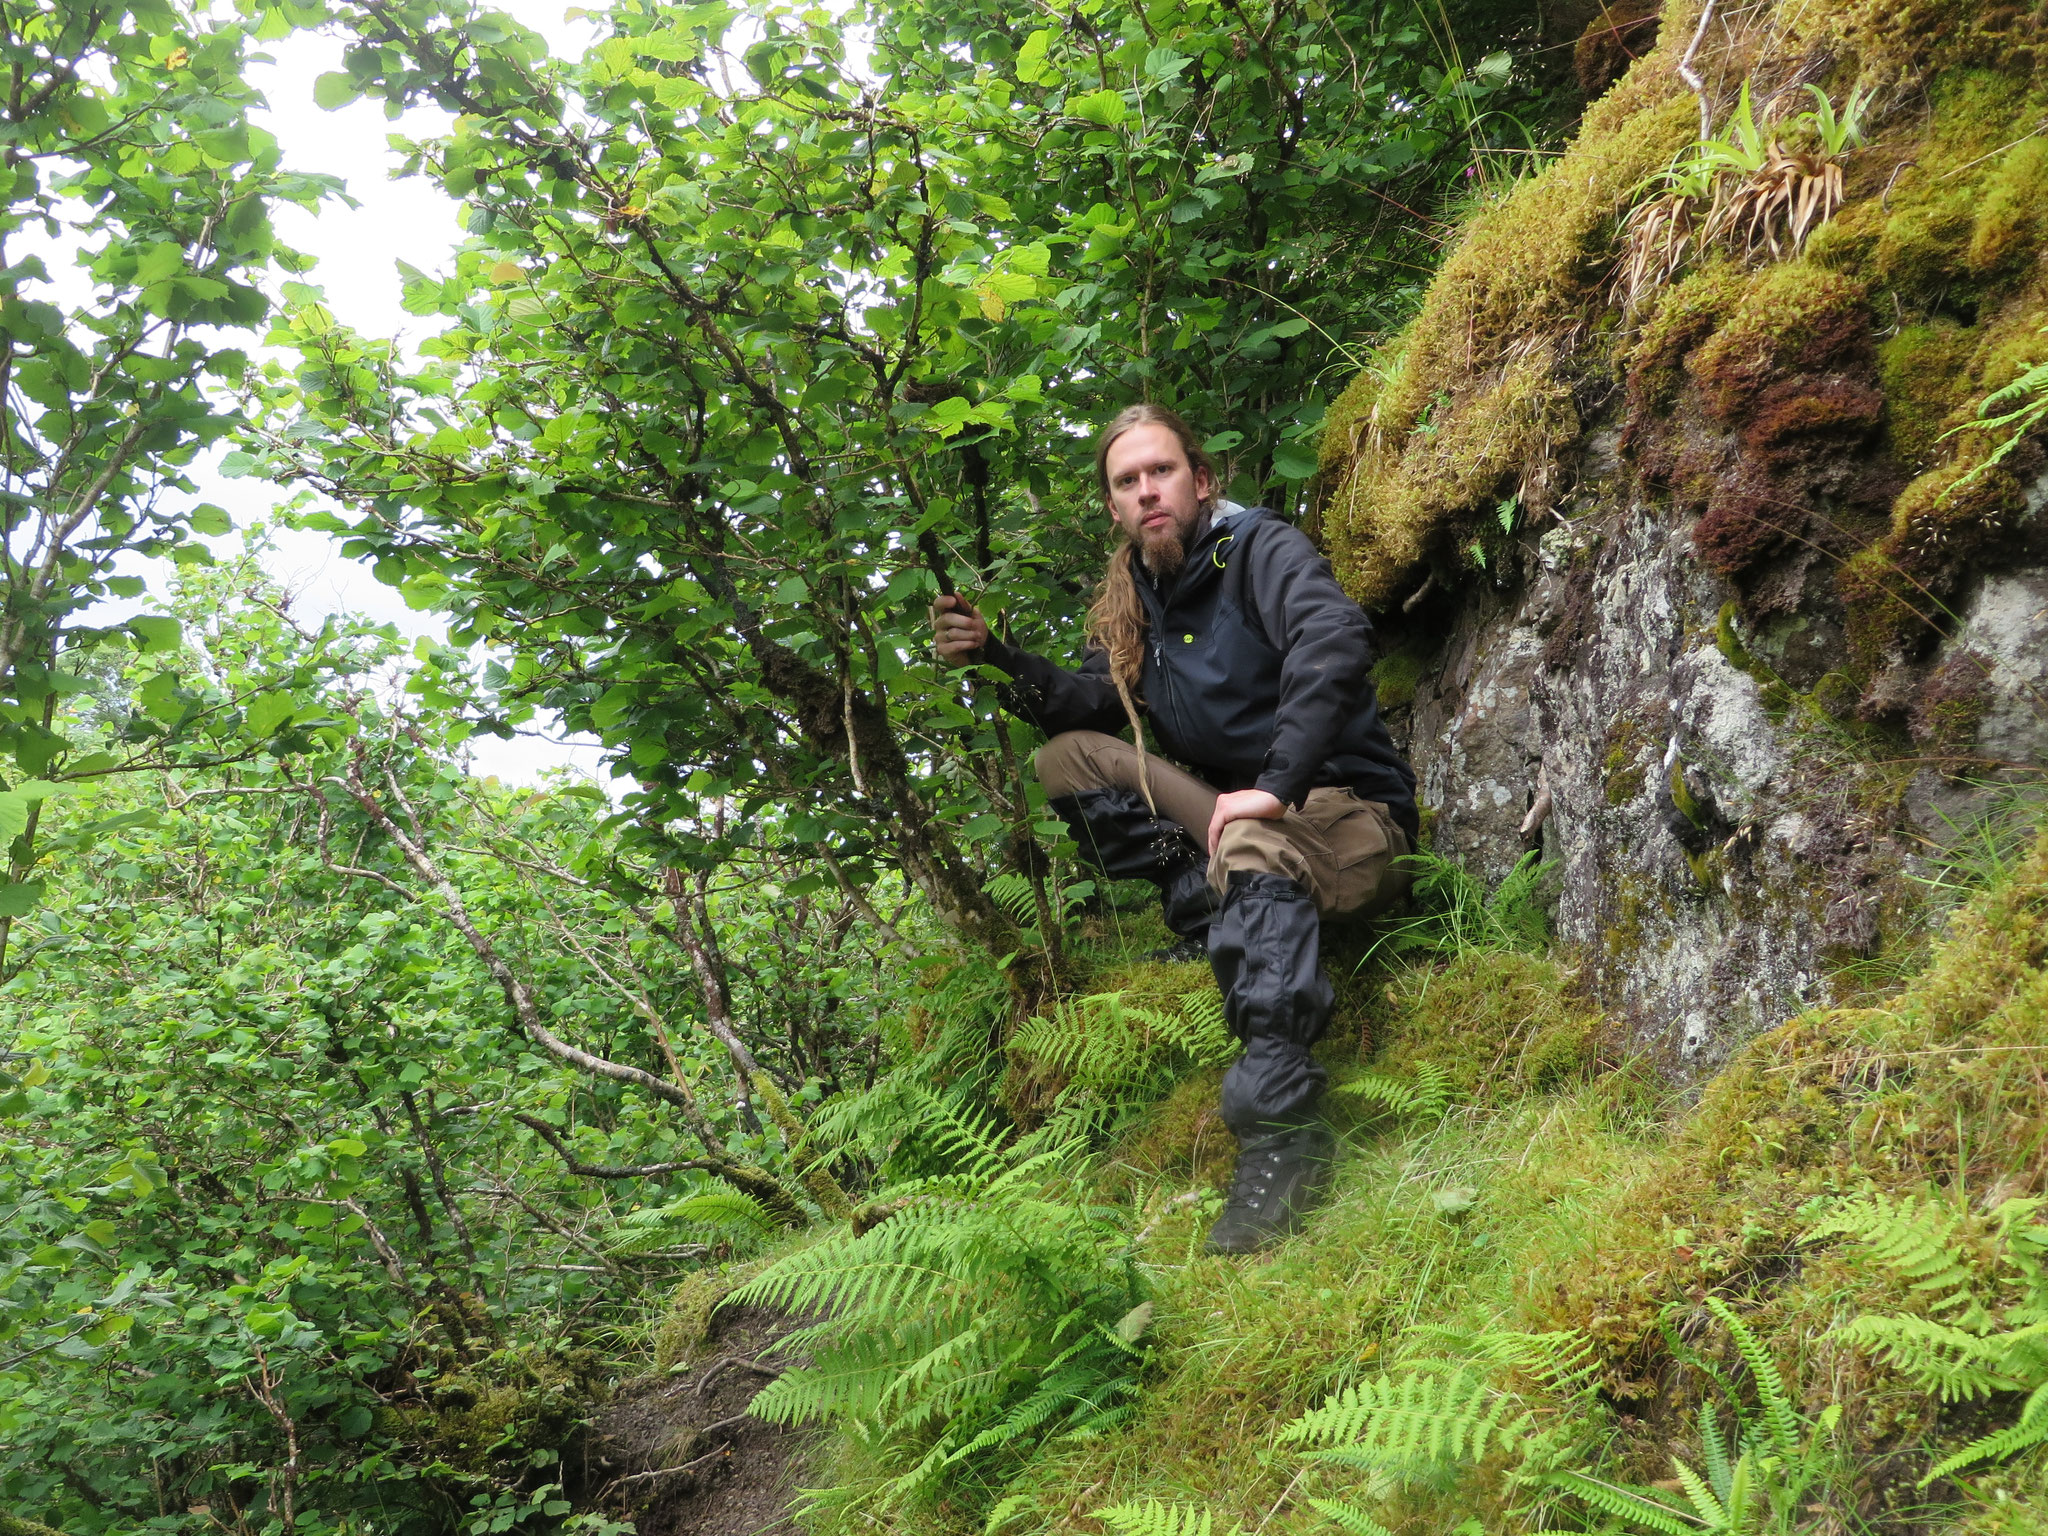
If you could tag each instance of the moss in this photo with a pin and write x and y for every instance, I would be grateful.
(1682, 316)
(1181, 1138)
(1495, 1023)
(2008, 228)
(1478, 397)
(1922, 372)
(499, 1411)
(1395, 676)
(1729, 643)
(1794, 318)
(1945, 717)
(1922, 244)
(1623, 765)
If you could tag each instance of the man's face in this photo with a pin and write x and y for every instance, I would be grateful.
(1154, 495)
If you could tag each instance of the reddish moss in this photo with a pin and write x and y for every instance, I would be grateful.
(1749, 518)
(1799, 418)
(1794, 318)
(1945, 717)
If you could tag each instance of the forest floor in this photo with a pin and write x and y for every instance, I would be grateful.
(677, 1452)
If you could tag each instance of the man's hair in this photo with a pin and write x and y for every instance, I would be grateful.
(1116, 619)
(1148, 415)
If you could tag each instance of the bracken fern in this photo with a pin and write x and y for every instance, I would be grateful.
(977, 1318)
(1113, 1046)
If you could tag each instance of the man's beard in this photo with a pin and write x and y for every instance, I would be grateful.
(1165, 555)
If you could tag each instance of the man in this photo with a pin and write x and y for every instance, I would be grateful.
(1227, 629)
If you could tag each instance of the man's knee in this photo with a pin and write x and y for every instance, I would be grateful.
(1066, 765)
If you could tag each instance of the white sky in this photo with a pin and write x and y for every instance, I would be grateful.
(357, 250)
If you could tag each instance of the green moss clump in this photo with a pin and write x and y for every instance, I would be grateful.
(1922, 245)
(1494, 1023)
(1395, 676)
(1923, 372)
(1792, 318)
(1682, 316)
(1472, 396)
(2009, 225)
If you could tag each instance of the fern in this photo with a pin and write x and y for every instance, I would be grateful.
(710, 1214)
(1153, 1518)
(1013, 893)
(1105, 1043)
(2017, 410)
(1780, 1425)
(974, 1322)
(1419, 1421)
(1348, 1518)
(1914, 1239)
(1427, 1096)
(1983, 1346)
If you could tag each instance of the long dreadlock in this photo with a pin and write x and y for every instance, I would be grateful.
(1116, 619)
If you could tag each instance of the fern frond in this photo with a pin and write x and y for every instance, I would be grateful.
(1348, 1518)
(1913, 1238)
(1641, 1505)
(1938, 1358)
(1563, 1361)
(1714, 1451)
(1781, 1420)
(1013, 893)
(1426, 1096)
(1154, 1518)
(2029, 1430)
(1713, 1514)
(1421, 1418)
(1106, 1042)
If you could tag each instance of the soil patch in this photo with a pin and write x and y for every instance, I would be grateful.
(678, 1454)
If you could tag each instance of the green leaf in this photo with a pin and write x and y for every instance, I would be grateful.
(18, 900)
(156, 632)
(210, 520)
(267, 713)
(1031, 61)
(1106, 108)
(334, 91)
(1291, 461)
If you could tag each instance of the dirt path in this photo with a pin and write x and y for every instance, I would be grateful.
(679, 1455)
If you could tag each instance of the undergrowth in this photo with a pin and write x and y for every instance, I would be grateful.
(1808, 1302)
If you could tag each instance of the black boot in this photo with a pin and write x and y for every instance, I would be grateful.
(1280, 1178)
(1119, 835)
(1265, 946)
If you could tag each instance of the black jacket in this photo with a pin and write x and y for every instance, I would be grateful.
(1257, 672)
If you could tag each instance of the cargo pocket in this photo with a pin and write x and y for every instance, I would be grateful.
(1359, 844)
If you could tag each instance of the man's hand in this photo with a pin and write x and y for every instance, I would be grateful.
(958, 633)
(1242, 805)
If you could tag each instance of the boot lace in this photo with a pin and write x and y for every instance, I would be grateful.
(1252, 1185)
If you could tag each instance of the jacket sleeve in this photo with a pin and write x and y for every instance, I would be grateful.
(1327, 646)
(1056, 698)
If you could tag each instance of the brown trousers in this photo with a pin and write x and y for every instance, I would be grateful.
(1337, 847)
